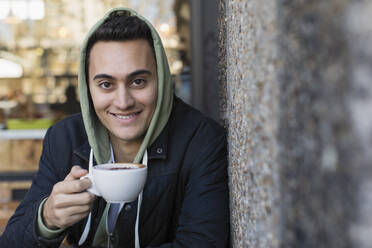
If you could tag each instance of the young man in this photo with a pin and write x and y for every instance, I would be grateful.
(128, 108)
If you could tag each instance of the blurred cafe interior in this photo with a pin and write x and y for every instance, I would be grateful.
(39, 48)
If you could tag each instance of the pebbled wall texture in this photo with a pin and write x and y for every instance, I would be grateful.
(296, 99)
(250, 110)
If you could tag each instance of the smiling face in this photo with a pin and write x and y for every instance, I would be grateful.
(123, 87)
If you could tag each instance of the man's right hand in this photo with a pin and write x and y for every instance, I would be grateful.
(69, 202)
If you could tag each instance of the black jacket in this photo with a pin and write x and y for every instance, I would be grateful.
(185, 199)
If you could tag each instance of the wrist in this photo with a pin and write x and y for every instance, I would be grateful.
(42, 230)
(44, 217)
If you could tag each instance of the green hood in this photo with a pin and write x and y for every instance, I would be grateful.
(97, 133)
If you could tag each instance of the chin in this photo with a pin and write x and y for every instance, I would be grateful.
(129, 138)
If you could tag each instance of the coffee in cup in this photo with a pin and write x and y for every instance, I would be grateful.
(118, 166)
(117, 182)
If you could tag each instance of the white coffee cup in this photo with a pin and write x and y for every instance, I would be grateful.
(117, 182)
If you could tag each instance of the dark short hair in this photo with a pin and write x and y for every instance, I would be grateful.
(119, 26)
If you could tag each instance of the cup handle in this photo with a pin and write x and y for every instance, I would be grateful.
(93, 188)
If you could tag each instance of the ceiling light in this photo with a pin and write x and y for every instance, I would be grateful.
(165, 28)
(63, 32)
(20, 9)
(4, 8)
(36, 10)
(10, 69)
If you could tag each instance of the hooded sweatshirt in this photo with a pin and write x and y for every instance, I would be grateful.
(98, 134)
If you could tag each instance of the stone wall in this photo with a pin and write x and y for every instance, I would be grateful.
(297, 102)
(315, 133)
(250, 111)
(358, 28)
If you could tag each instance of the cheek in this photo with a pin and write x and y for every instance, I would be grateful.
(94, 99)
(152, 99)
(148, 98)
(99, 102)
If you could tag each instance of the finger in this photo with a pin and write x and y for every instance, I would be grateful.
(75, 173)
(70, 187)
(60, 206)
(73, 210)
(69, 200)
(69, 220)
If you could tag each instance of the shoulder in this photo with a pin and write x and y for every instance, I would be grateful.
(197, 144)
(192, 133)
(59, 144)
(72, 121)
(191, 122)
(68, 130)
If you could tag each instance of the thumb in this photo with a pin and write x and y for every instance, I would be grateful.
(75, 173)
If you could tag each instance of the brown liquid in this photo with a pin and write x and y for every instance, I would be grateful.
(121, 168)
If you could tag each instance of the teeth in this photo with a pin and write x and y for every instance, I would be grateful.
(125, 117)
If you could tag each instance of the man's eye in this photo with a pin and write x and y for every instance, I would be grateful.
(105, 85)
(139, 82)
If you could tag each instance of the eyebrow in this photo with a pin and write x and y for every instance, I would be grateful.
(132, 74)
(99, 76)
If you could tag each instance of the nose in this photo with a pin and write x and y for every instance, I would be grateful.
(124, 98)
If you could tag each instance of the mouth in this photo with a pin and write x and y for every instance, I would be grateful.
(126, 116)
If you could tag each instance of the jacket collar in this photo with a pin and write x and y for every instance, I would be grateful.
(83, 151)
(158, 150)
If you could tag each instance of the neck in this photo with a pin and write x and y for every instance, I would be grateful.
(124, 151)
